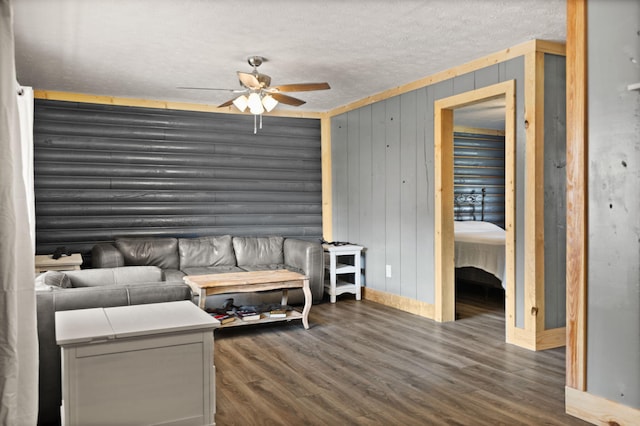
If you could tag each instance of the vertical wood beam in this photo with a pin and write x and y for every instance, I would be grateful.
(577, 186)
(327, 188)
(534, 195)
(445, 308)
(510, 209)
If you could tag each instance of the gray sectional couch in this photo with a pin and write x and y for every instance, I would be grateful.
(149, 270)
(178, 257)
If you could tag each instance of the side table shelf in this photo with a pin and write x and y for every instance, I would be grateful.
(340, 261)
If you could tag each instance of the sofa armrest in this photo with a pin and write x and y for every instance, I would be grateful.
(307, 256)
(106, 255)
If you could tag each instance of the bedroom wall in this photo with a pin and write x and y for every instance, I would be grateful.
(478, 163)
(103, 171)
(382, 173)
(613, 283)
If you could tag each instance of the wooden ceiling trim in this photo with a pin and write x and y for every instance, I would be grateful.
(147, 103)
(495, 58)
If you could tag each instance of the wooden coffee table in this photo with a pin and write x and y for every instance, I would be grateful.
(248, 282)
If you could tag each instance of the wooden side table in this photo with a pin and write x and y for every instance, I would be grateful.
(341, 260)
(44, 262)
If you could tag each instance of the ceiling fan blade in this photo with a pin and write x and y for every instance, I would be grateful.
(226, 104)
(301, 87)
(249, 80)
(289, 100)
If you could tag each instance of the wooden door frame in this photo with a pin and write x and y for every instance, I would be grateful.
(443, 166)
(577, 184)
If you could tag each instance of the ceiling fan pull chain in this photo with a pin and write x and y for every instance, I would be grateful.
(255, 130)
(260, 121)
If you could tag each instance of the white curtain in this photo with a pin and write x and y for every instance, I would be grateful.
(25, 113)
(18, 337)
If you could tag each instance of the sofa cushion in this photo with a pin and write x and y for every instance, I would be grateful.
(206, 251)
(258, 250)
(174, 275)
(206, 270)
(114, 276)
(270, 267)
(160, 252)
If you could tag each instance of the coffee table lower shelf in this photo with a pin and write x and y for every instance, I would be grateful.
(265, 319)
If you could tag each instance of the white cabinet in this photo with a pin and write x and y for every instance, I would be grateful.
(137, 365)
(343, 267)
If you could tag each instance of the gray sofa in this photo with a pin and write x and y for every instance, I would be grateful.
(90, 288)
(178, 257)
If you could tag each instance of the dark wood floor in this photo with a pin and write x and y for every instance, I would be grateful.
(362, 363)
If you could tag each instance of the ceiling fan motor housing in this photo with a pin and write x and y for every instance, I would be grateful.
(256, 61)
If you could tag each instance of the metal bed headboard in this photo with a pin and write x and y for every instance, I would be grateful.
(473, 199)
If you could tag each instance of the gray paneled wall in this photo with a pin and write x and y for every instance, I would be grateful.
(383, 194)
(105, 171)
(613, 288)
(383, 177)
(555, 200)
(478, 165)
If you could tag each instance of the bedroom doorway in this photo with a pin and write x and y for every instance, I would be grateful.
(444, 198)
(478, 206)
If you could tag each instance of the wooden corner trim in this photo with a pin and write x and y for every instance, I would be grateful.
(478, 131)
(552, 338)
(327, 180)
(521, 337)
(577, 184)
(598, 410)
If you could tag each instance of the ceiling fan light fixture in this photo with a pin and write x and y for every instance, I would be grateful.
(255, 104)
(241, 102)
(258, 94)
(269, 103)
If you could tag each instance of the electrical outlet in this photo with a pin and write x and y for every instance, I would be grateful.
(388, 271)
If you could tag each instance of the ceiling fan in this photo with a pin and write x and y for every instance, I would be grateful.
(257, 94)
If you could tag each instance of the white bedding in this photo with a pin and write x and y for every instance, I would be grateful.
(481, 245)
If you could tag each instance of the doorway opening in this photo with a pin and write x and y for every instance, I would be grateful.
(478, 164)
(444, 197)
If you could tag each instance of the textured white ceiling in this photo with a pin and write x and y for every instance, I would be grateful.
(147, 48)
(485, 115)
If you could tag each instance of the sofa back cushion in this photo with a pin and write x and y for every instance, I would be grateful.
(160, 252)
(206, 251)
(99, 277)
(258, 250)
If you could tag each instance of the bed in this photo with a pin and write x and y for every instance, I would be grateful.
(480, 245)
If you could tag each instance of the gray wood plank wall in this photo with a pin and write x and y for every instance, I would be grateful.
(106, 171)
(555, 200)
(392, 197)
(478, 165)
